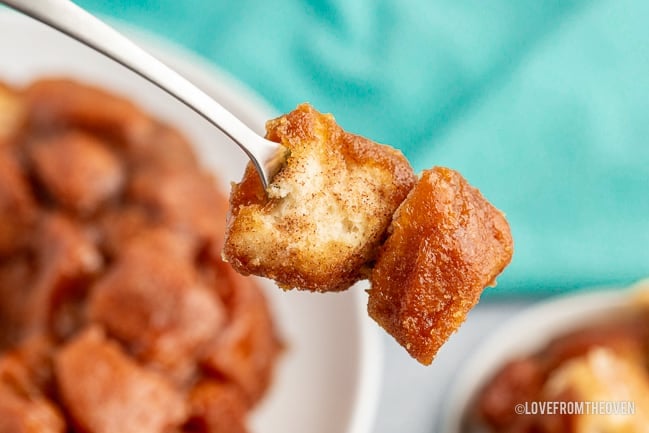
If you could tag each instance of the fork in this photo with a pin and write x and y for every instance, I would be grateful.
(66, 17)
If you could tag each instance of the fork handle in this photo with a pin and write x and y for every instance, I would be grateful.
(72, 20)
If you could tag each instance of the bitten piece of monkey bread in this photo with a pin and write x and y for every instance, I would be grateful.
(324, 214)
(445, 245)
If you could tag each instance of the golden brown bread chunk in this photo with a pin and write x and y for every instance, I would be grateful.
(153, 301)
(65, 260)
(40, 286)
(79, 171)
(326, 211)
(245, 351)
(105, 391)
(445, 245)
(61, 104)
(184, 200)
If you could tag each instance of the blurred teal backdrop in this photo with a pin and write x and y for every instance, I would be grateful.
(543, 105)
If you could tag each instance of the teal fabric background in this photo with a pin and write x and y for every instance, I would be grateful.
(543, 105)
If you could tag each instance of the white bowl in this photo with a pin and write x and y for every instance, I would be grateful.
(328, 380)
(525, 333)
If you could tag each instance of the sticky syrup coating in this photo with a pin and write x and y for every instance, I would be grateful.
(324, 214)
(445, 245)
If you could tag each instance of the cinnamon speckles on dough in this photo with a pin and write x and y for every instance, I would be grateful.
(324, 213)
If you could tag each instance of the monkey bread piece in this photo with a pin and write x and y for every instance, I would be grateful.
(152, 302)
(245, 352)
(62, 104)
(325, 212)
(40, 288)
(185, 200)
(445, 245)
(78, 170)
(106, 391)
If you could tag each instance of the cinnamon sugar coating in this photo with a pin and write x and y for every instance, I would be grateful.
(445, 245)
(324, 214)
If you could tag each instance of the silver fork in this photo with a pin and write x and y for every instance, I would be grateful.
(68, 18)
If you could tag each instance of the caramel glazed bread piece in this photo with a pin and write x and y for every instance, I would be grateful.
(324, 214)
(345, 208)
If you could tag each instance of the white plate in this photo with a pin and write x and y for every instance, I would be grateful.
(328, 380)
(525, 333)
